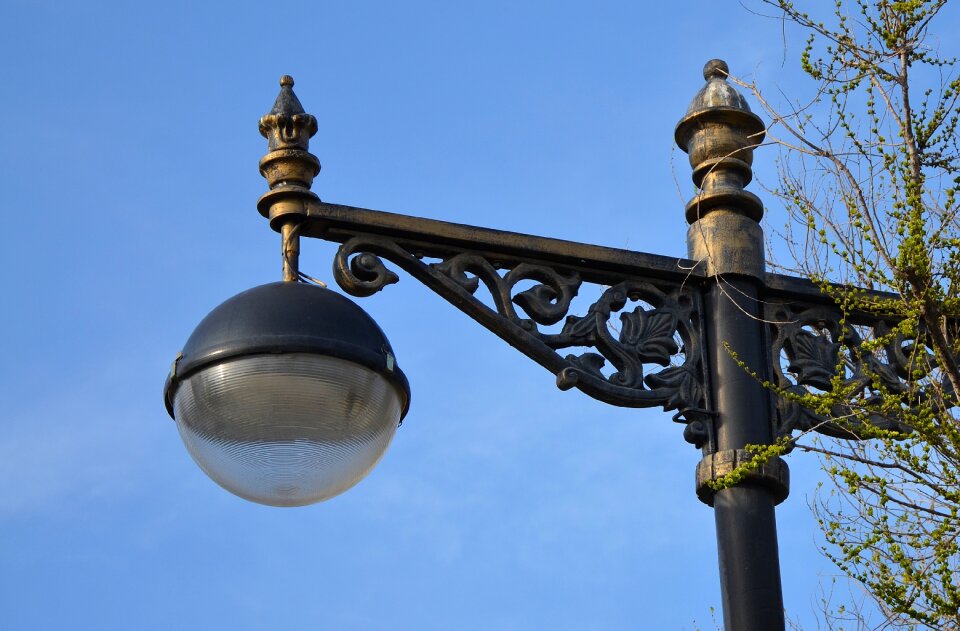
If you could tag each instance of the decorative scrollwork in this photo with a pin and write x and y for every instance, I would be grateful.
(647, 336)
(662, 330)
(818, 349)
(363, 275)
(545, 303)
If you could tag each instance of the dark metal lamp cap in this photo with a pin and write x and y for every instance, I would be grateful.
(717, 92)
(718, 101)
(287, 317)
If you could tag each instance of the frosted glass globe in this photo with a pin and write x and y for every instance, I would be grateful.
(287, 429)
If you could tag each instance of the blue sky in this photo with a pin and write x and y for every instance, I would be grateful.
(129, 155)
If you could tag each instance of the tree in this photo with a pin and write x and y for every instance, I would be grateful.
(869, 172)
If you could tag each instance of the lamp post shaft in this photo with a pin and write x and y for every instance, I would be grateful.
(719, 133)
(744, 514)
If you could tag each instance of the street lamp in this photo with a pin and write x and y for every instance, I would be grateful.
(289, 393)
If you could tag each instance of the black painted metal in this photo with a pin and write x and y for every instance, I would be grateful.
(441, 239)
(749, 562)
(744, 515)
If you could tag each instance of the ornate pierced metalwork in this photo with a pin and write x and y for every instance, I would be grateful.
(664, 330)
(817, 349)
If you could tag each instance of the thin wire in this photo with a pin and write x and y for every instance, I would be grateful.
(310, 279)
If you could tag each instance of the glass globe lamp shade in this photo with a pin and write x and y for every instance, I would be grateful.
(287, 394)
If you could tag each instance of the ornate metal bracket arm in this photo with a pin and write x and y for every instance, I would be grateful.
(664, 330)
(817, 349)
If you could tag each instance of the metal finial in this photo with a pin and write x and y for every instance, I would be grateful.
(287, 126)
(715, 69)
(287, 102)
(289, 167)
(719, 133)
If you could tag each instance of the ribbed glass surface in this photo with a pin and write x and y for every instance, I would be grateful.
(287, 429)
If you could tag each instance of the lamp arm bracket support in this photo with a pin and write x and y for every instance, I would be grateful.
(434, 238)
(664, 329)
(639, 344)
(818, 349)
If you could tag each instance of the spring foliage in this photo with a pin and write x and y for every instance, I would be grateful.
(869, 173)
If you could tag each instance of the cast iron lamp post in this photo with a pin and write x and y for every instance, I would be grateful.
(288, 393)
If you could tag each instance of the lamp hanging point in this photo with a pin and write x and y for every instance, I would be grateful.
(716, 69)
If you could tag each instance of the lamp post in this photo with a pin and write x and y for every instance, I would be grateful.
(289, 393)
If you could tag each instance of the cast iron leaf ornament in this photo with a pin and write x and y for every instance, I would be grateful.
(811, 337)
(681, 381)
(650, 334)
(543, 303)
(813, 358)
(590, 363)
(580, 330)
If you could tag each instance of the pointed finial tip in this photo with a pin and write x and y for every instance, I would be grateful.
(286, 81)
(716, 69)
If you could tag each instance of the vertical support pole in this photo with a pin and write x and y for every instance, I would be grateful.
(719, 133)
(290, 245)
